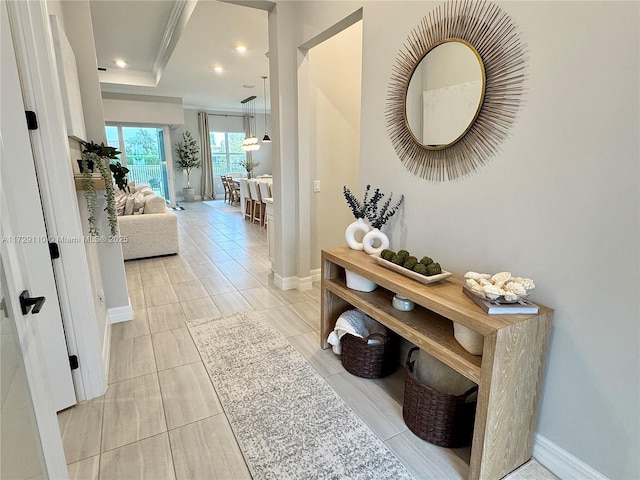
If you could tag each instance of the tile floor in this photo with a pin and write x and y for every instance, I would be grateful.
(161, 418)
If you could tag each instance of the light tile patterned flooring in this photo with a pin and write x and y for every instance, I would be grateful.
(161, 418)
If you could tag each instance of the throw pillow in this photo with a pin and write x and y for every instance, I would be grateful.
(134, 203)
(121, 201)
(145, 190)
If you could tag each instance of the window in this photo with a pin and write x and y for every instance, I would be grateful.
(226, 152)
(143, 153)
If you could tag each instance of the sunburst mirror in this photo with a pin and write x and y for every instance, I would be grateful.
(455, 89)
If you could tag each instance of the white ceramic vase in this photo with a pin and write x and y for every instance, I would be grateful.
(369, 241)
(350, 233)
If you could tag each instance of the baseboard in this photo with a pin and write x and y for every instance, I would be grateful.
(120, 314)
(560, 462)
(290, 283)
(315, 274)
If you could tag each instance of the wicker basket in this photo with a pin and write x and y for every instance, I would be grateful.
(369, 360)
(439, 418)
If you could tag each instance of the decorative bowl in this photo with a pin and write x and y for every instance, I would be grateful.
(410, 273)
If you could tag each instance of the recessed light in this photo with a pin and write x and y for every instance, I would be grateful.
(218, 69)
(241, 48)
(248, 86)
(120, 63)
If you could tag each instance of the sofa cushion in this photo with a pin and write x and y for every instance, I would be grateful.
(154, 204)
(134, 204)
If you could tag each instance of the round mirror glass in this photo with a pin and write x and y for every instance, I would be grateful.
(445, 94)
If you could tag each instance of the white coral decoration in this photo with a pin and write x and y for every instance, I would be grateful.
(515, 287)
(527, 283)
(501, 284)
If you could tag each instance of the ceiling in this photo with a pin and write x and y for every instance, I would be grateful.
(171, 48)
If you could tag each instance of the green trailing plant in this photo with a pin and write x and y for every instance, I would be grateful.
(109, 195)
(188, 155)
(89, 194)
(368, 208)
(100, 155)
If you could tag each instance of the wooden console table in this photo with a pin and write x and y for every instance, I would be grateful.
(509, 373)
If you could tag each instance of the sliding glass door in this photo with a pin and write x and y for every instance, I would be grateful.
(146, 153)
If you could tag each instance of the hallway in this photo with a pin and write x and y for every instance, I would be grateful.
(161, 417)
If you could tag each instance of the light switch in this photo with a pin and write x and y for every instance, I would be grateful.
(316, 185)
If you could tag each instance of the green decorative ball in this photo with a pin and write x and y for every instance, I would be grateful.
(397, 259)
(433, 269)
(410, 262)
(420, 268)
(426, 261)
(387, 254)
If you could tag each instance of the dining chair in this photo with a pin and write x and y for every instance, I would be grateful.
(246, 195)
(234, 191)
(226, 187)
(258, 210)
(265, 192)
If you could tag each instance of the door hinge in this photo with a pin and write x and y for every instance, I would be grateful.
(73, 361)
(54, 250)
(32, 120)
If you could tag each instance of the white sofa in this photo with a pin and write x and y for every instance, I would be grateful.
(151, 233)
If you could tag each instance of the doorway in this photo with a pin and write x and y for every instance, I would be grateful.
(334, 117)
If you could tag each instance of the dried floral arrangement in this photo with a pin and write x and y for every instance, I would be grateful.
(369, 209)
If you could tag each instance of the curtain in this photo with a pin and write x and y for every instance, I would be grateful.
(206, 187)
(246, 123)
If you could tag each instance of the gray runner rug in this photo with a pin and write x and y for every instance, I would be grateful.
(289, 423)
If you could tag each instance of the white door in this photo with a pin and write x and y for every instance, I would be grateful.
(30, 443)
(24, 230)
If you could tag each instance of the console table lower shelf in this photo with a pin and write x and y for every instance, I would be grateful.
(509, 372)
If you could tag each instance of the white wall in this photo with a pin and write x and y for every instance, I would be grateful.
(79, 30)
(559, 203)
(334, 134)
(142, 109)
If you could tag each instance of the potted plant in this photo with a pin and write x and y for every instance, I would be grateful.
(248, 164)
(98, 156)
(120, 176)
(188, 159)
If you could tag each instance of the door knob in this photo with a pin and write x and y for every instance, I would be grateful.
(26, 302)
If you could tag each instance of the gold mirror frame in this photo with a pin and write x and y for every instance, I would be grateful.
(490, 31)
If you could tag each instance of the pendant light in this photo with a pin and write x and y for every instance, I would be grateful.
(266, 138)
(250, 142)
